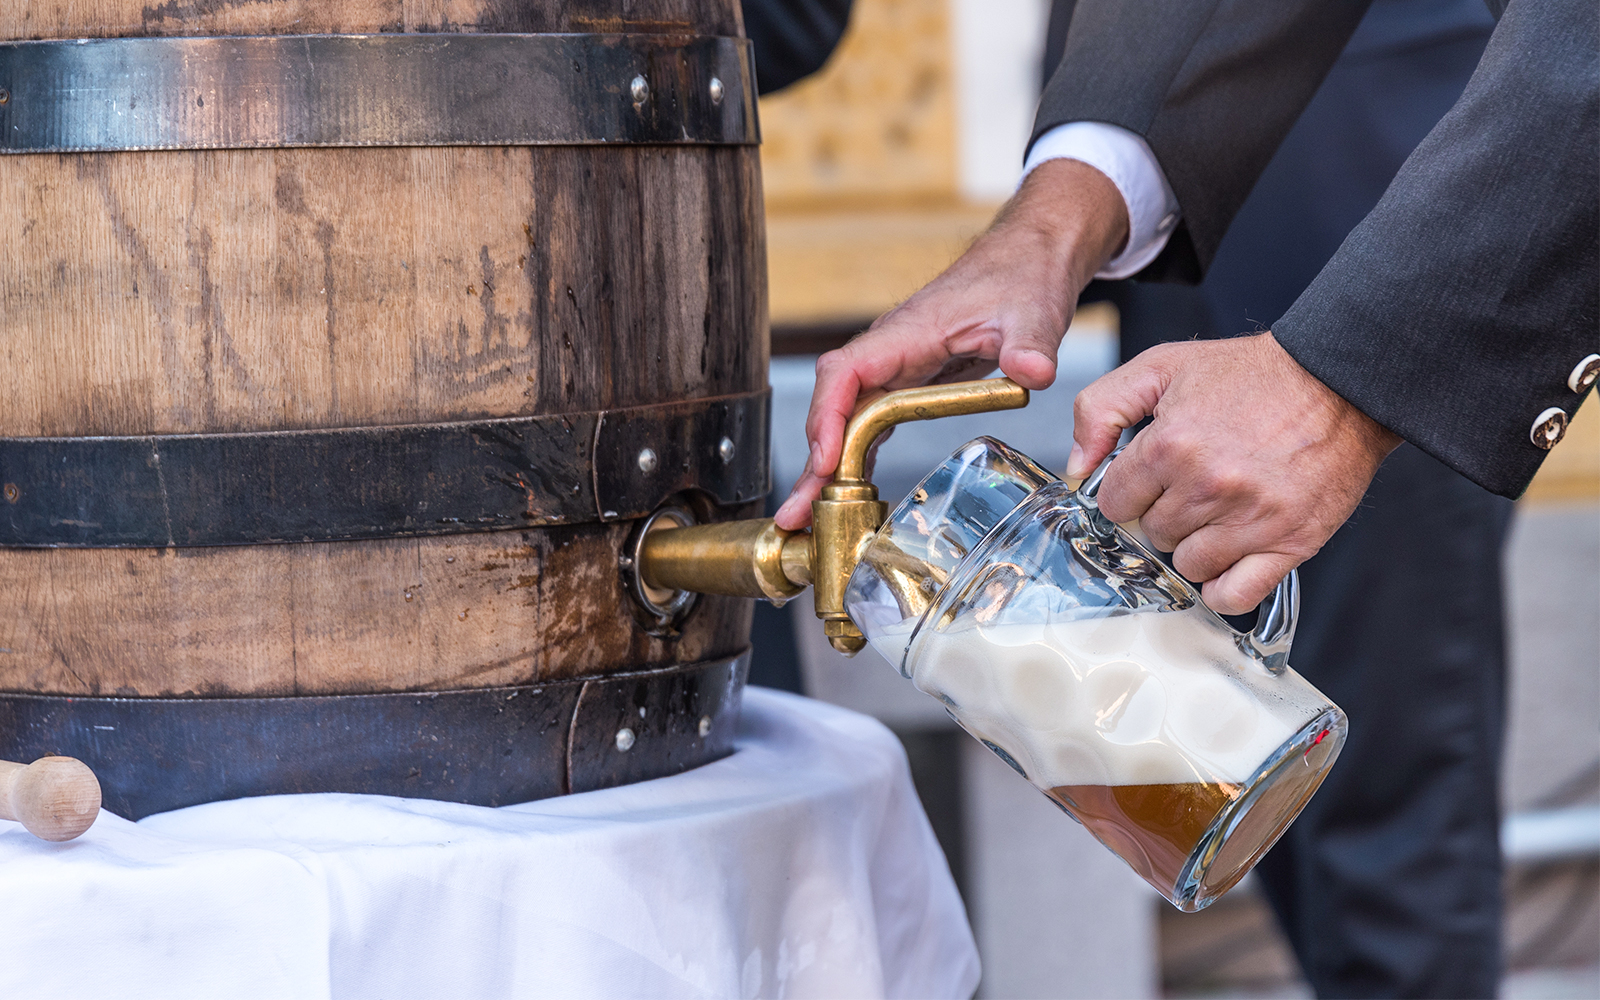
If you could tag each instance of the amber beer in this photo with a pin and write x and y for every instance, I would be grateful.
(1155, 828)
(1147, 728)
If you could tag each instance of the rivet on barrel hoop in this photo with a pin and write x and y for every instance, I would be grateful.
(716, 90)
(624, 739)
(725, 449)
(647, 460)
(640, 88)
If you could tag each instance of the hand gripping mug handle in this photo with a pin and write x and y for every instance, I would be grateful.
(1277, 617)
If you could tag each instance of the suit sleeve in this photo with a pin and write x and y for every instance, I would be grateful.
(1456, 311)
(792, 38)
(1212, 85)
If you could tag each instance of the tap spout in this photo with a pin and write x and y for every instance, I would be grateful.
(758, 559)
(738, 558)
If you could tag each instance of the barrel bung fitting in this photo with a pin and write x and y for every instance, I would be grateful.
(756, 558)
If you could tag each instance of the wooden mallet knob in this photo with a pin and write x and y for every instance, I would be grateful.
(54, 798)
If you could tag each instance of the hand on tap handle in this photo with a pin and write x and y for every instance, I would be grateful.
(54, 798)
(1006, 302)
(762, 559)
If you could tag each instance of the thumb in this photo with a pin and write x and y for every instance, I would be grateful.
(1028, 357)
(1110, 405)
(796, 511)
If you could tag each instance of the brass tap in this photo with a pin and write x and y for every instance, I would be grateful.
(756, 558)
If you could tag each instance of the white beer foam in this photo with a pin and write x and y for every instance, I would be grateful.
(1152, 697)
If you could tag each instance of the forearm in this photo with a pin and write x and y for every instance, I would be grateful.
(1074, 217)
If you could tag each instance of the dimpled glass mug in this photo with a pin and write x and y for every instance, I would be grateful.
(1070, 650)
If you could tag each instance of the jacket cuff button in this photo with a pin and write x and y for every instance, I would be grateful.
(1583, 376)
(1548, 428)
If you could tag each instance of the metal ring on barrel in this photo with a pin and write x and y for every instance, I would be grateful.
(406, 481)
(483, 746)
(103, 94)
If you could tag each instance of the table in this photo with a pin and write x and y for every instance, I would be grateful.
(801, 866)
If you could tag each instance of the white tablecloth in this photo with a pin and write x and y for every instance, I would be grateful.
(801, 866)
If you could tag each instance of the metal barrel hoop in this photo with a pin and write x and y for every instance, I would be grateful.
(485, 746)
(401, 481)
(280, 91)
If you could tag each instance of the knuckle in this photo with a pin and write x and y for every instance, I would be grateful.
(1185, 439)
(1153, 355)
(1163, 355)
(1194, 562)
(1160, 447)
(1085, 404)
(1110, 501)
(1224, 480)
(1160, 532)
(1169, 449)
(1117, 506)
(1299, 546)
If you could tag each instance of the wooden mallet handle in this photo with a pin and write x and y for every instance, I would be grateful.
(54, 798)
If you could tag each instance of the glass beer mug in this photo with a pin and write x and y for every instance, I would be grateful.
(1070, 650)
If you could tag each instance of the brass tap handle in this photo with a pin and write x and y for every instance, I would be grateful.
(906, 405)
(759, 559)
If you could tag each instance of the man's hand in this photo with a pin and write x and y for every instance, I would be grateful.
(1250, 465)
(1007, 300)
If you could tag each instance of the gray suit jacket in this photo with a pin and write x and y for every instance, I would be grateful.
(1454, 313)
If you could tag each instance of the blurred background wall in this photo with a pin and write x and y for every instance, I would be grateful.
(879, 171)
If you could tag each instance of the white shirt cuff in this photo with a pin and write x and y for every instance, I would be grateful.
(1128, 160)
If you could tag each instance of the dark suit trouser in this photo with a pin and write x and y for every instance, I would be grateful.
(1389, 883)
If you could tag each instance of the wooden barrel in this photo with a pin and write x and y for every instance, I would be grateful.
(283, 323)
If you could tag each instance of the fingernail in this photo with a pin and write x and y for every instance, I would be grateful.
(1074, 460)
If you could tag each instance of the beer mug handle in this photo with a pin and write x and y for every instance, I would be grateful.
(1277, 617)
(1091, 486)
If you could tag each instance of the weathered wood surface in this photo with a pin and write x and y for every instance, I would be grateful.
(186, 292)
(55, 798)
(465, 611)
(183, 292)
